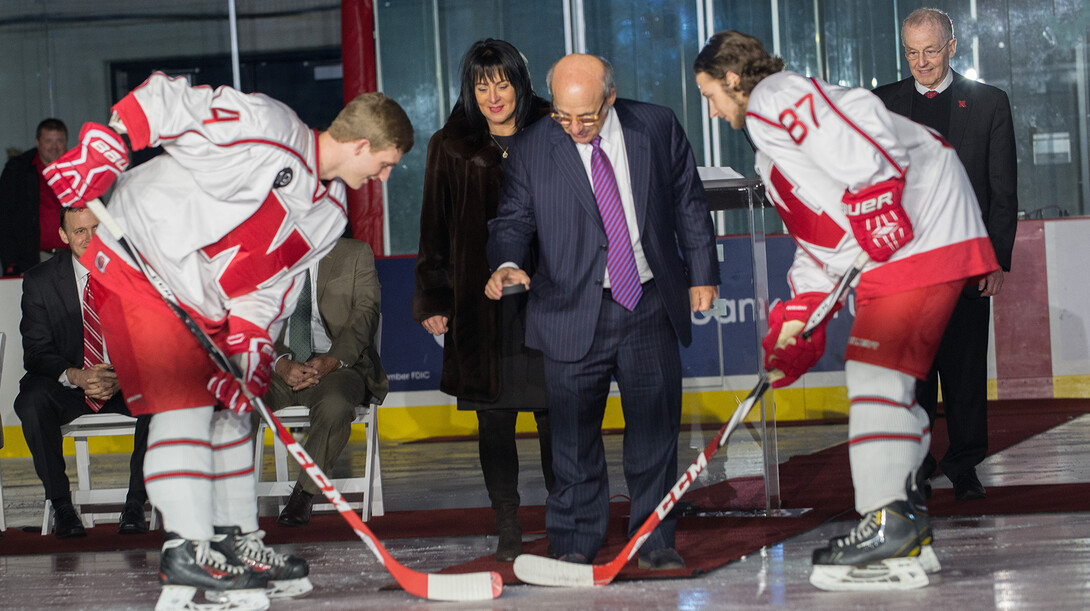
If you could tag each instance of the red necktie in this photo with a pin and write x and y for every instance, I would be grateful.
(624, 278)
(930, 94)
(92, 336)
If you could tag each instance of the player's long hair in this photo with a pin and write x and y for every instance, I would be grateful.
(493, 60)
(377, 118)
(733, 51)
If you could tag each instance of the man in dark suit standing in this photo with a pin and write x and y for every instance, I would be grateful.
(328, 360)
(63, 381)
(610, 191)
(976, 120)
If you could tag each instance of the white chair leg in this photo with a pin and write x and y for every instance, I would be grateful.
(47, 519)
(3, 524)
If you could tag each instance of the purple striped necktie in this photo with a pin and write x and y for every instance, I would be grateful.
(92, 337)
(624, 278)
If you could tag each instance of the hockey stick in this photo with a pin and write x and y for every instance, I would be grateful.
(470, 586)
(543, 571)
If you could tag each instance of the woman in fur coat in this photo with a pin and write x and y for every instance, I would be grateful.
(485, 362)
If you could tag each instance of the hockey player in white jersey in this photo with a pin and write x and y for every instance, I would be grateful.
(848, 176)
(244, 200)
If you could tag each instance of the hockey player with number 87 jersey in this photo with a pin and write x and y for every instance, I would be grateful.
(245, 197)
(847, 177)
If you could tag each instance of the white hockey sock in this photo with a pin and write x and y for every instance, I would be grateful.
(885, 432)
(234, 486)
(178, 471)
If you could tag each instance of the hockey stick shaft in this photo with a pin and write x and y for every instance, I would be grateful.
(548, 572)
(473, 586)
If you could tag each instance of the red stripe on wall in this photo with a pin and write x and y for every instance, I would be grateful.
(360, 76)
(1023, 348)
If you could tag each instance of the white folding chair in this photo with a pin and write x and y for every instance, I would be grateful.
(297, 418)
(85, 495)
(3, 524)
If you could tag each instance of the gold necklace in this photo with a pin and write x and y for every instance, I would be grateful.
(499, 145)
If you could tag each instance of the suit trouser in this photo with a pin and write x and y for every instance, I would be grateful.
(639, 349)
(43, 406)
(332, 406)
(962, 366)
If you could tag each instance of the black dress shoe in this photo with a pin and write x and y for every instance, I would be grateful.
(967, 487)
(665, 559)
(574, 558)
(297, 510)
(132, 521)
(66, 522)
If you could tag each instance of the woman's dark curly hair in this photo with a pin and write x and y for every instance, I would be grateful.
(732, 51)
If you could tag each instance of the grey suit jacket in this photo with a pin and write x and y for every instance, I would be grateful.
(349, 302)
(547, 195)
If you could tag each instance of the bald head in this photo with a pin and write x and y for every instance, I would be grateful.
(583, 92)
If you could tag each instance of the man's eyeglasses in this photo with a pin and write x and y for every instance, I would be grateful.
(587, 120)
(912, 54)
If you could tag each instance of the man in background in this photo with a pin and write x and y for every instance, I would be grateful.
(328, 361)
(976, 120)
(29, 211)
(68, 373)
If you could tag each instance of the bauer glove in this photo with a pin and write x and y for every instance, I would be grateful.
(249, 347)
(88, 170)
(877, 218)
(784, 349)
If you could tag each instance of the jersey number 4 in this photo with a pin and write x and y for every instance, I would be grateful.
(255, 261)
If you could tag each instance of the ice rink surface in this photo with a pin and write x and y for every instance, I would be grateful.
(1036, 561)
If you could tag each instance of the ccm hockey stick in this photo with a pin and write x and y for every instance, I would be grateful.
(543, 571)
(471, 586)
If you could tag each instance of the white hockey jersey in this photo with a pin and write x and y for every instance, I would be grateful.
(815, 140)
(235, 209)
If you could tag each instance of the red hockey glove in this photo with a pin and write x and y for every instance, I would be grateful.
(877, 218)
(785, 351)
(249, 347)
(85, 172)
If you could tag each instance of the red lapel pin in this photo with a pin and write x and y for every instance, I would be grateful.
(961, 103)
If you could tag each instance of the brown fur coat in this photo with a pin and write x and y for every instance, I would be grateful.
(462, 186)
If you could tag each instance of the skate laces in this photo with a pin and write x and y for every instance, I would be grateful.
(254, 547)
(206, 556)
(865, 529)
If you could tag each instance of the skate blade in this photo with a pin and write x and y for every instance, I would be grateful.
(180, 598)
(285, 588)
(889, 574)
(929, 561)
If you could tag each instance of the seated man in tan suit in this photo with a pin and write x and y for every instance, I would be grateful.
(328, 360)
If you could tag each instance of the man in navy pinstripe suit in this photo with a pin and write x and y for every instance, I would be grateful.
(588, 332)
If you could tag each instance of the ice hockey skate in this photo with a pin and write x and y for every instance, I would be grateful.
(187, 566)
(917, 498)
(881, 553)
(287, 575)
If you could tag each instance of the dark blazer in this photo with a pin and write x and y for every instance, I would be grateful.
(20, 233)
(547, 193)
(982, 132)
(52, 323)
(349, 302)
(462, 183)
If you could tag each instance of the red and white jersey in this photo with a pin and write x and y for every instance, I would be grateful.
(235, 209)
(816, 140)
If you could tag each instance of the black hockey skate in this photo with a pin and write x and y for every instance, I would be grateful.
(186, 566)
(287, 575)
(881, 553)
(918, 500)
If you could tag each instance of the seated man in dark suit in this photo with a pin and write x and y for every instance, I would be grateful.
(328, 360)
(68, 373)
